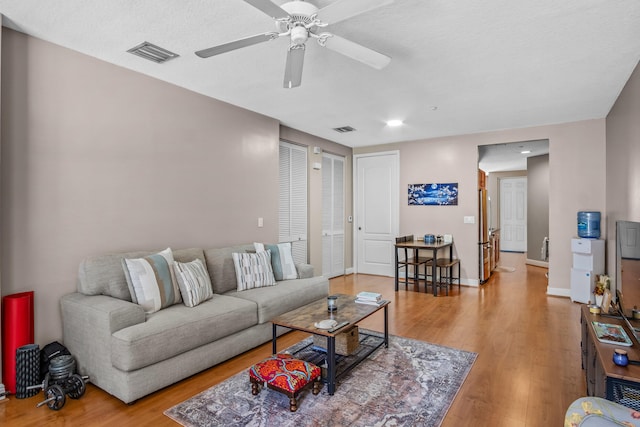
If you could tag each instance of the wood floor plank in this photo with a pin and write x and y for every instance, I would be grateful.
(527, 372)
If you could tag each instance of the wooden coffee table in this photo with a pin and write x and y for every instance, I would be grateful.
(304, 318)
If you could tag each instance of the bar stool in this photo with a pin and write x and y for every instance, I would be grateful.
(446, 278)
(411, 260)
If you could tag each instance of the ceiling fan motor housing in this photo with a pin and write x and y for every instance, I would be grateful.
(300, 13)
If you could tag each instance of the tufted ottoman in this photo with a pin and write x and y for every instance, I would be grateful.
(285, 374)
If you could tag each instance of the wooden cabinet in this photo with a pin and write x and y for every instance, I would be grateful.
(604, 378)
(482, 179)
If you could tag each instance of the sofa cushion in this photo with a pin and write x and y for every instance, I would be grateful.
(151, 281)
(221, 269)
(194, 282)
(281, 260)
(253, 270)
(178, 329)
(103, 274)
(284, 296)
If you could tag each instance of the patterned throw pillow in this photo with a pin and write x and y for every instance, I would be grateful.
(253, 270)
(281, 260)
(194, 282)
(151, 281)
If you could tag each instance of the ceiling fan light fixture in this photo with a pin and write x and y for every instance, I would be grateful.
(299, 35)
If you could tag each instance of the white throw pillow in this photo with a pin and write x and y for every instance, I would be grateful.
(151, 281)
(281, 260)
(253, 270)
(194, 282)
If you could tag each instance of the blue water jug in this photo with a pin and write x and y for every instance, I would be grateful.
(589, 225)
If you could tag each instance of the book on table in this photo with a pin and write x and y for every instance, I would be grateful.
(368, 296)
(371, 302)
(611, 334)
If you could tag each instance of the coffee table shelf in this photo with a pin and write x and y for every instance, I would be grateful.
(305, 318)
(368, 343)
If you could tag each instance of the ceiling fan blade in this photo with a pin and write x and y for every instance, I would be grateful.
(357, 52)
(237, 44)
(269, 7)
(345, 9)
(293, 69)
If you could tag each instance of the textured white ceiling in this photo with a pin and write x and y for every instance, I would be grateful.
(486, 65)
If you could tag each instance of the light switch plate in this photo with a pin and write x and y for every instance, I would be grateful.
(470, 219)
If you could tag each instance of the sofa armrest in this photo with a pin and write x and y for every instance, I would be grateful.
(98, 313)
(305, 271)
(88, 321)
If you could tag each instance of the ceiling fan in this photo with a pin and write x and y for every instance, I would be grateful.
(300, 20)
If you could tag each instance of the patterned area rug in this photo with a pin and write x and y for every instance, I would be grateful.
(412, 383)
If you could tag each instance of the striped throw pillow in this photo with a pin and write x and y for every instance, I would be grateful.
(253, 270)
(152, 282)
(194, 282)
(284, 268)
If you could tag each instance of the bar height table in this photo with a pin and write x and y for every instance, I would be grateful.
(418, 245)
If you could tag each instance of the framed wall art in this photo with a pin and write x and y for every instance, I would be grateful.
(433, 194)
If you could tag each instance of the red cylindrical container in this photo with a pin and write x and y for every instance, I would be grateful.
(17, 330)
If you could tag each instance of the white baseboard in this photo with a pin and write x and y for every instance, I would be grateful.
(537, 263)
(559, 292)
(348, 271)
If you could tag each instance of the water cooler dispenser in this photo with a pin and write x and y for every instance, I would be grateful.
(588, 262)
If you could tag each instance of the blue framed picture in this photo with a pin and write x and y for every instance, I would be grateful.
(433, 194)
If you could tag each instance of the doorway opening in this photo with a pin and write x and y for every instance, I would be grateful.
(502, 163)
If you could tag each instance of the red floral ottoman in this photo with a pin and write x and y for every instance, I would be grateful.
(285, 374)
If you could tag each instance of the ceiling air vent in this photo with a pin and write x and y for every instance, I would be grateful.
(152, 52)
(344, 129)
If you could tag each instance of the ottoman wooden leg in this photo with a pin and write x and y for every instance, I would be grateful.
(293, 404)
(255, 387)
(316, 386)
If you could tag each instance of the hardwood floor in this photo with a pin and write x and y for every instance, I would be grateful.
(527, 372)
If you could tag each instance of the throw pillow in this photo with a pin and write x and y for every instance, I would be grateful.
(281, 260)
(151, 281)
(253, 270)
(194, 282)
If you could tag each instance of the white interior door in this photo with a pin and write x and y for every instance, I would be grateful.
(376, 186)
(332, 215)
(513, 214)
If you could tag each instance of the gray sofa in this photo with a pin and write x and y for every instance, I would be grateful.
(130, 354)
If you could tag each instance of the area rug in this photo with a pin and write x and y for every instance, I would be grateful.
(412, 383)
(505, 269)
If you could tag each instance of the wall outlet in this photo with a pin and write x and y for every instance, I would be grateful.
(470, 219)
(260, 222)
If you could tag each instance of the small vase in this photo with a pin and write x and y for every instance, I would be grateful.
(620, 357)
(599, 300)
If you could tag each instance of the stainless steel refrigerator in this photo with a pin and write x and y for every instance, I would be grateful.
(483, 237)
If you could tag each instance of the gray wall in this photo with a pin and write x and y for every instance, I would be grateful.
(622, 163)
(97, 158)
(537, 205)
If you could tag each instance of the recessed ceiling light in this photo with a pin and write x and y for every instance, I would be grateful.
(394, 123)
(525, 152)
